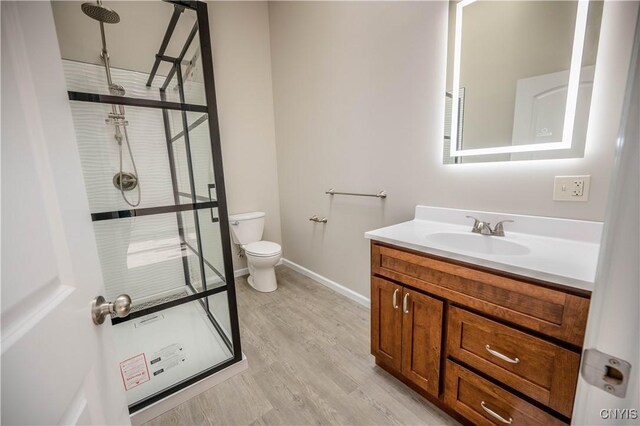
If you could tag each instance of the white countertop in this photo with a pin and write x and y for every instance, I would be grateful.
(560, 251)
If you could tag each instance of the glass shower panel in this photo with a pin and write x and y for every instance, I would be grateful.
(211, 252)
(146, 258)
(182, 171)
(219, 309)
(193, 79)
(203, 176)
(203, 241)
(100, 156)
(193, 165)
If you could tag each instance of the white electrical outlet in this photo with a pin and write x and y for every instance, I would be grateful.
(571, 188)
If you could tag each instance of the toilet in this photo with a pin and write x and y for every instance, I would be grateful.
(262, 256)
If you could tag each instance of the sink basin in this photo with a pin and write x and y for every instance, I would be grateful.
(477, 243)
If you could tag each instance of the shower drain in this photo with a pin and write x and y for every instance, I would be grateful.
(158, 301)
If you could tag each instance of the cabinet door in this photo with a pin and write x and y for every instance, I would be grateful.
(386, 323)
(421, 340)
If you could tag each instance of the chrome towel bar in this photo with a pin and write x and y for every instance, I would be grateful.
(380, 194)
(315, 218)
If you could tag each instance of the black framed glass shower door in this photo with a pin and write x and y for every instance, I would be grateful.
(172, 252)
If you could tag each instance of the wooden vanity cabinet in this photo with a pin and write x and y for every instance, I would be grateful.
(406, 333)
(386, 323)
(477, 343)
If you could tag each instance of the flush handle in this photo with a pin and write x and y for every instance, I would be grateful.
(119, 308)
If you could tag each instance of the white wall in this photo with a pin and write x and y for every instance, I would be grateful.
(358, 101)
(242, 59)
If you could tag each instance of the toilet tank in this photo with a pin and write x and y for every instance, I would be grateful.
(246, 227)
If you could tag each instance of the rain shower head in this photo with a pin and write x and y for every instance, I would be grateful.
(100, 13)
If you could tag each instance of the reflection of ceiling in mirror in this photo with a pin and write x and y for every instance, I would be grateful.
(132, 43)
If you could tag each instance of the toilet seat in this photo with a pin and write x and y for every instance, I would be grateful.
(262, 249)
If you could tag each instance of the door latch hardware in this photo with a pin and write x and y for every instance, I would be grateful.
(606, 372)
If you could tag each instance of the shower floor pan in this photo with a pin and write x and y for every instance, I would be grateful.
(161, 349)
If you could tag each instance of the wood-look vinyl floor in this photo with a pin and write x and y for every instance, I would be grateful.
(309, 363)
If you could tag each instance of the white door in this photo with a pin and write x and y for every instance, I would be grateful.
(539, 113)
(614, 316)
(57, 366)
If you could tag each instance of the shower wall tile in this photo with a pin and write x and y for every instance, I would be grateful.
(99, 155)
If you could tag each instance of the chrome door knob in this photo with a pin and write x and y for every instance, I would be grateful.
(119, 308)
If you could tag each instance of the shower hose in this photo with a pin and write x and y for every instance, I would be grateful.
(135, 169)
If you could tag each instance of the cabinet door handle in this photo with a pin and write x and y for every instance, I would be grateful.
(501, 356)
(395, 298)
(495, 415)
(405, 303)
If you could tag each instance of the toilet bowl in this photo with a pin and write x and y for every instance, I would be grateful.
(262, 256)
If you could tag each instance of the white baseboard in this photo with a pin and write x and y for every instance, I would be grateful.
(339, 288)
(241, 272)
(183, 395)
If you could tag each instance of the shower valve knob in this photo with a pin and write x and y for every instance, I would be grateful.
(119, 308)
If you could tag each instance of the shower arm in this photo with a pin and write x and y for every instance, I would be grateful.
(107, 68)
(105, 54)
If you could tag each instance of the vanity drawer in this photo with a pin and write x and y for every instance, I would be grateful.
(484, 403)
(538, 308)
(541, 370)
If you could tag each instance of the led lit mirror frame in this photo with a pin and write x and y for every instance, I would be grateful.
(572, 90)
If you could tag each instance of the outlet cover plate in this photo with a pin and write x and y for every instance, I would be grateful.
(571, 188)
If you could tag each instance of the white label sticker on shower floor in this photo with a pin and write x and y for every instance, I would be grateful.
(149, 319)
(134, 371)
(167, 358)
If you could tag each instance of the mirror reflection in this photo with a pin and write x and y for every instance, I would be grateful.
(520, 78)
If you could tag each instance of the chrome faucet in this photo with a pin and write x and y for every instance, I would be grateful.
(484, 228)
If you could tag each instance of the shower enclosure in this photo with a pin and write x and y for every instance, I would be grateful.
(146, 122)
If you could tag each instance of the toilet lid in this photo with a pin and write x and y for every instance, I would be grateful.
(262, 248)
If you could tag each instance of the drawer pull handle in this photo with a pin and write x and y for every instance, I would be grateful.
(405, 303)
(495, 415)
(395, 298)
(501, 356)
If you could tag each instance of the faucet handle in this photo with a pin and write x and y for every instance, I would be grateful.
(479, 226)
(498, 230)
(476, 221)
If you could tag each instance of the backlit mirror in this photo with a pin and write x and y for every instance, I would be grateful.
(519, 79)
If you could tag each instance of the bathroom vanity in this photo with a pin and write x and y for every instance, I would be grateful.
(491, 333)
